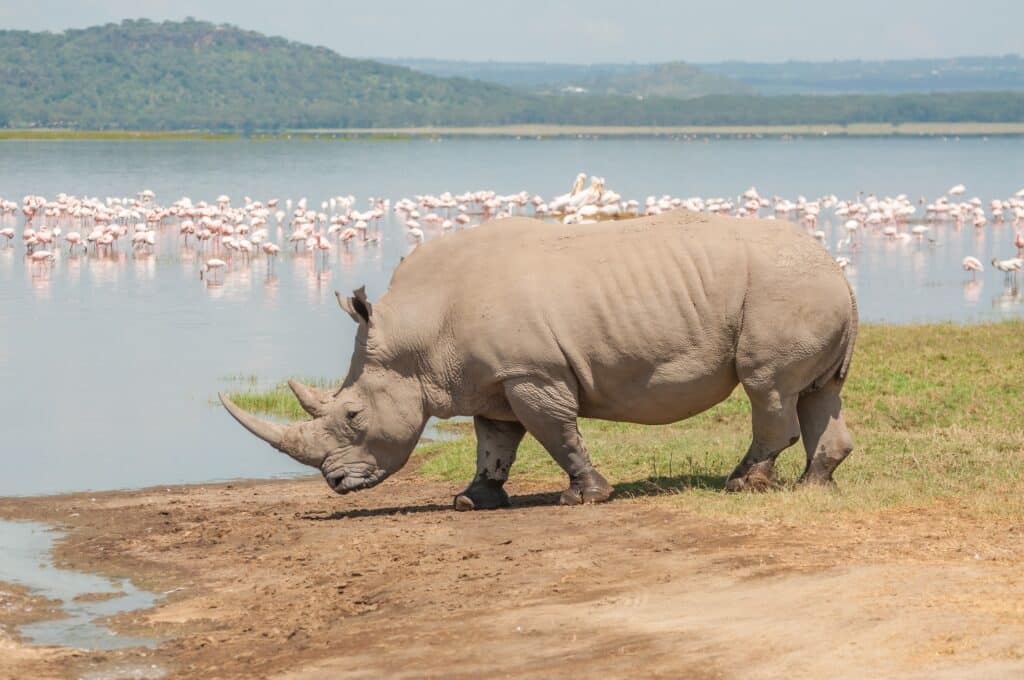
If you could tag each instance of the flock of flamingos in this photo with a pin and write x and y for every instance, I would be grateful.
(224, 232)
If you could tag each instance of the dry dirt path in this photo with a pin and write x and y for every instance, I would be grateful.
(283, 579)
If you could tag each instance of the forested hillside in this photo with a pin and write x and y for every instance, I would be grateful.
(197, 75)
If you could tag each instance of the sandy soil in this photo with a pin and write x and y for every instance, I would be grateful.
(283, 579)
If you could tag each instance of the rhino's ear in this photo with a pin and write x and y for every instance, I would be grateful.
(357, 306)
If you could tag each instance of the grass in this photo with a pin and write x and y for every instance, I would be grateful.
(936, 411)
(55, 134)
(277, 400)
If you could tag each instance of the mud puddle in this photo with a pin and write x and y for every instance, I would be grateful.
(86, 599)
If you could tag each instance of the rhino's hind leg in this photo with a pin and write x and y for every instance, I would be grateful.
(496, 445)
(826, 439)
(776, 428)
(549, 411)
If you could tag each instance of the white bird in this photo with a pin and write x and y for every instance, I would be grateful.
(212, 266)
(1009, 267)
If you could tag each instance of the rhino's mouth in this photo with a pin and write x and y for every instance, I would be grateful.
(343, 482)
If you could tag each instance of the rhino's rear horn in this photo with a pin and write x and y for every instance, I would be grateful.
(313, 400)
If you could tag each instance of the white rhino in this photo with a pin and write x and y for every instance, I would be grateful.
(526, 326)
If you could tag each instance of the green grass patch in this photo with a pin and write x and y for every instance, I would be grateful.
(277, 400)
(936, 412)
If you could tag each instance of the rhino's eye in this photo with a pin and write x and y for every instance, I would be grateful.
(351, 415)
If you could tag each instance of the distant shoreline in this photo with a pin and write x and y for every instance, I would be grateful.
(542, 132)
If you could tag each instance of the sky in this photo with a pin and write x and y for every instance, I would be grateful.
(584, 32)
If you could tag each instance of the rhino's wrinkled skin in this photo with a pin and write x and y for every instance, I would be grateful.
(527, 325)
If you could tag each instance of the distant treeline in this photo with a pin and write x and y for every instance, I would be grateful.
(894, 76)
(676, 79)
(196, 75)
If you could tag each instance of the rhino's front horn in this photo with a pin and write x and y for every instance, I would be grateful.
(288, 439)
(313, 400)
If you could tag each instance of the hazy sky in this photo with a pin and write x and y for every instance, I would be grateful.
(591, 31)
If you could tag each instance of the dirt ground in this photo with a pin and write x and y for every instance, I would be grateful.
(283, 579)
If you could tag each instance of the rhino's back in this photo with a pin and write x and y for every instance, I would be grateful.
(642, 311)
(603, 277)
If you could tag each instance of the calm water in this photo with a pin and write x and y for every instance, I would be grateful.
(109, 365)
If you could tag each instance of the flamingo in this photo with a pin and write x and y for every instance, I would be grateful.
(322, 245)
(1009, 267)
(972, 265)
(73, 239)
(7, 233)
(347, 235)
(41, 256)
(1019, 243)
(271, 250)
(212, 266)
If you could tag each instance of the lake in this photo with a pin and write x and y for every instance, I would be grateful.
(110, 366)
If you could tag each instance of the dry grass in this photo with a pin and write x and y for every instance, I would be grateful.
(54, 134)
(935, 411)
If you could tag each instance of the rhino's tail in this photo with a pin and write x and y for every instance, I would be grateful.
(851, 336)
(839, 370)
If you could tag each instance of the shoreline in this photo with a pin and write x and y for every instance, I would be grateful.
(285, 579)
(856, 130)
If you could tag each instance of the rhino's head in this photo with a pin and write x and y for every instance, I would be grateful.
(363, 432)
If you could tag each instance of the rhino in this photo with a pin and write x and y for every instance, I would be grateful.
(528, 326)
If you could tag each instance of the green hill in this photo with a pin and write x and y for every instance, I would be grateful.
(140, 75)
(685, 80)
(896, 76)
(677, 80)
(674, 79)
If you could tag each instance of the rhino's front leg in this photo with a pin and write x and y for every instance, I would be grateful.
(549, 411)
(496, 445)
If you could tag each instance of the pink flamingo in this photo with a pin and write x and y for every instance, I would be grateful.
(1019, 242)
(324, 246)
(271, 250)
(41, 256)
(212, 266)
(347, 235)
(73, 239)
(972, 265)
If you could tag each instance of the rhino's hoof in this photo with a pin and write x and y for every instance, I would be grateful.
(482, 494)
(591, 487)
(757, 480)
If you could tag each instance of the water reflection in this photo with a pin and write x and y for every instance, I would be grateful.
(972, 291)
(1009, 298)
